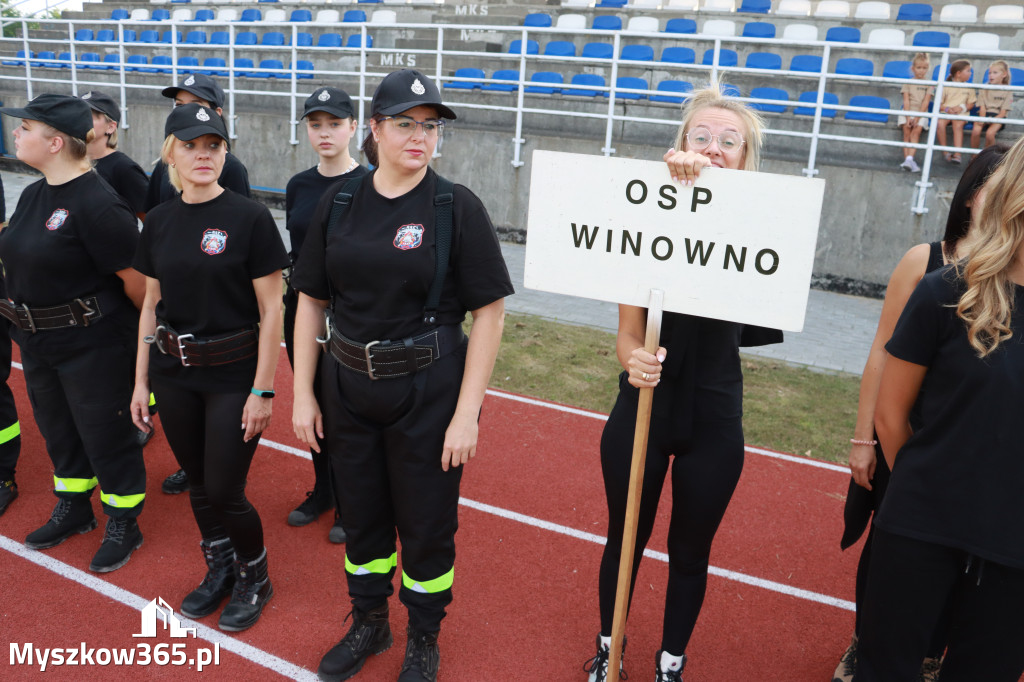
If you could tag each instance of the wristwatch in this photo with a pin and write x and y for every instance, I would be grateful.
(261, 393)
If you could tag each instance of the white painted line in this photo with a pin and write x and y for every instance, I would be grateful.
(16, 365)
(134, 601)
(304, 454)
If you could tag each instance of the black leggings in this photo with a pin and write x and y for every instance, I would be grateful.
(205, 434)
(705, 471)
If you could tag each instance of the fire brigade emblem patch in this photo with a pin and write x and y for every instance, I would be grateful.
(214, 242)
(57, 219)
(408, 237)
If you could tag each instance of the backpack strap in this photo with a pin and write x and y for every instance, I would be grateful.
(339, 207)
(443, 200)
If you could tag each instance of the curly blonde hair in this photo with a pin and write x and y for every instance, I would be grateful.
(714, 97)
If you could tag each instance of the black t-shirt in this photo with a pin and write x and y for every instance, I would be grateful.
(380, 261)
(233, 176)
(206, 257)
(65, 242)
(126, 177)
(302, 196)
(957, 480)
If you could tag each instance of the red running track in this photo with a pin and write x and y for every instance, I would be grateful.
(525, 607)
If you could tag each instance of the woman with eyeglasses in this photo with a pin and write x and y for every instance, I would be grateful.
(698, 390)
(403, 390)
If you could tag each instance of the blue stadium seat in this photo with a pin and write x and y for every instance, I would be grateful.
(45, 54)
(725, 58)
(769, 93)
(516, 47)
(466, 72)
(868, 101)
(220, 38)
(204, 15)
(354, 16)
(84, 35)
(631, 83)
(914, 11)
(371, 2)
(503, 75)
(897, 68)
(598, 51)
(243, 63)
(637, 53)
(607, 22)
(119, 14)
(20, 59)
(329, 40)
(195, 38)
(551, 77)
(273, 38)
(64, 57)
(298, 15)
(170, 36)
(810, 63)
(672, 86)
(931, 39)
(149, 36)
(560, 48)
(130, 36)
(537, 20)
(188, 63)
(106, 35)
(843, 34)
(680, 26)
(614, 4)
(356, 40)
(271, 64)
(303, 39)
(763, 60)
(591, 79)
(730, 90)
(678, 55)
(855, 66)
(112, 60)
(90, 60)
(303, 69)
(214, 66)
(755, 6)
(139, 60)
(251, 15)
(758, 29)
(812, 97)
(160, 15)
(161, 60)
(245, 38)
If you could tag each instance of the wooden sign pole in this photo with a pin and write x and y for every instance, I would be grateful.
(636, 483)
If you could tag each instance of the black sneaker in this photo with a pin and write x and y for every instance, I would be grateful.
(370, 634)
(422, 657)
(670, 675)
(69, 517)
(598, 665)
(175, 483)
(8, 491)
(120, 539)
(337, 534)
(315, 504)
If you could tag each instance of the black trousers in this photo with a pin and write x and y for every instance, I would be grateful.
(386, 439)
(910, 584)
(205, 435)
(705, 470)
(10, 428)
(80, 403)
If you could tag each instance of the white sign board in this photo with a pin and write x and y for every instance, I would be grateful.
(736, 246)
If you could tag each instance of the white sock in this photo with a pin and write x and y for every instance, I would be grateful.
(909, 158)
(606, 642)
(669, 662)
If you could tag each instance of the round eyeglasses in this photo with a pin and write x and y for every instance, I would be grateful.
(701, 138)
(407, 125)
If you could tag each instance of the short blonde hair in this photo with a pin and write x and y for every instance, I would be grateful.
(165, 157)
(714, 97)
(112, 137)
(74, 148)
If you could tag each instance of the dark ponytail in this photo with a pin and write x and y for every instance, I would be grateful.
(370, 145)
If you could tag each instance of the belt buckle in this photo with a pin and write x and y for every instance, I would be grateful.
(369, 360)
(326, 338)
(89, 312)
(28, 314)
(181, 348)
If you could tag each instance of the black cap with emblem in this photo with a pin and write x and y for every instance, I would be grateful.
(104, 104)
(67, 114)
(331, 100)
(405, 89)
(200, 85)
(190, 121)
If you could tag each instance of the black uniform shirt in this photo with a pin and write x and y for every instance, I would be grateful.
(957, 480)
(302, 196)
(233, 176)
(206, 257)
(380, 261)
(126, 177)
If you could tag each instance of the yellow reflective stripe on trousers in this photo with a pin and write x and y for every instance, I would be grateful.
(74, 485)
(10, 433)
(152, 400)
(122, 501)
(378, 566)
(430, 586)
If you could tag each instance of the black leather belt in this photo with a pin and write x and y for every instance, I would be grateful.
(79, 313)
(388, 359)
(209, 352)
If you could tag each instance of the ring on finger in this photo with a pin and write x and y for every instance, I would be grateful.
(645, 376)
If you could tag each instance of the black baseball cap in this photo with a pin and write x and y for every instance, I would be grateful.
(67, 114)
(405, 89)
(193, 120)
(332, 100)
(200, 85)
(104, 104)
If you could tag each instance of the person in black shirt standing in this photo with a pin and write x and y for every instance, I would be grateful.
(67, 253)
(10, 427)
(212, 261)
(117, 168)
(400, 415)
(330, 124)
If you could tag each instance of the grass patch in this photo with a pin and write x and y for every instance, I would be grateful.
(786, 408)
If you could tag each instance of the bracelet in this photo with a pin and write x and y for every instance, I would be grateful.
(261, 393)
(856, 441)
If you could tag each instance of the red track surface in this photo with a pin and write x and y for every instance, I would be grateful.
(525, 596)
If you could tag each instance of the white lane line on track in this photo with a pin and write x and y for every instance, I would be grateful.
(134, 601)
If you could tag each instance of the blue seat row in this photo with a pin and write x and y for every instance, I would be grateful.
(214, 66)
(198, 37)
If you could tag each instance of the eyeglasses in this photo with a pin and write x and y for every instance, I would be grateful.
(701, 138)
(406, 125)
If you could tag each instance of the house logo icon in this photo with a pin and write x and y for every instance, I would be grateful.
(156, 610)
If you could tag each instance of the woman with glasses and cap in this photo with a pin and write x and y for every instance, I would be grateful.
(209, 336)
(696, 433)
(117, 168)
(402, 392)
(71, 298)
(330, 125)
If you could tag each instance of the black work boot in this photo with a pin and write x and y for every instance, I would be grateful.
(316, 503)
(370, 634)
(422, 657)
(337, 534)
(8, 492)
(70, 516)
(120, 539)
(218, 581)
(176, 483)
(251, 592)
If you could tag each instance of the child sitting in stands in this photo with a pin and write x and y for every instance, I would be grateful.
(915, 98)
(958, 101)
(993, 104)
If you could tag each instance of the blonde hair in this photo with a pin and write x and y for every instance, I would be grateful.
(165, 156)
(74, 148)
(713, 97)
(921, 57)
(987, 304)
(112, 137)
(1006, 69)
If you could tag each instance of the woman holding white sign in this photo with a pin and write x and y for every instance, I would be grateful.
(696, 415)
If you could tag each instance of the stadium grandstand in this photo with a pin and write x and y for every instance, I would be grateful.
(604, 77)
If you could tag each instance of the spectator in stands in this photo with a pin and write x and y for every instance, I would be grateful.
(916, 98)
(948, 534)
(957, 100)
(117, 168)
(993, 103)
(867, 462)
(330, 124)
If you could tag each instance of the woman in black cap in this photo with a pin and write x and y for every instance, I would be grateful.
(402, 397)
(212, 261)
(117, 168)
(330, 124)
(67, 252)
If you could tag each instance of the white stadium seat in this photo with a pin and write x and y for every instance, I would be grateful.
(795, 8)
(887, 36)
(571, 21)
(800, 32)
(646, 24)
(690, 5)
(275, 15)
(575, 3)
(719, 27)
(959, 14)
(979, 41)
(873, 10)
(328, 16)
(184, 14)
(833, 9)
(645, 4)
(227, 14)
(1004, 14)
(384, 16)
(719, 6)
(140, 14)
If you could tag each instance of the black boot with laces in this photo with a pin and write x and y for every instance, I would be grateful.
(316, 503)
(70, 516)
(218, 581)
(370, 634)
(120, 539)
(251, 593)
(422, 657)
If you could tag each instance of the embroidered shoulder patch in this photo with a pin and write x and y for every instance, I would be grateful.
(57, 219)
(214, 242)
(408, 237)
